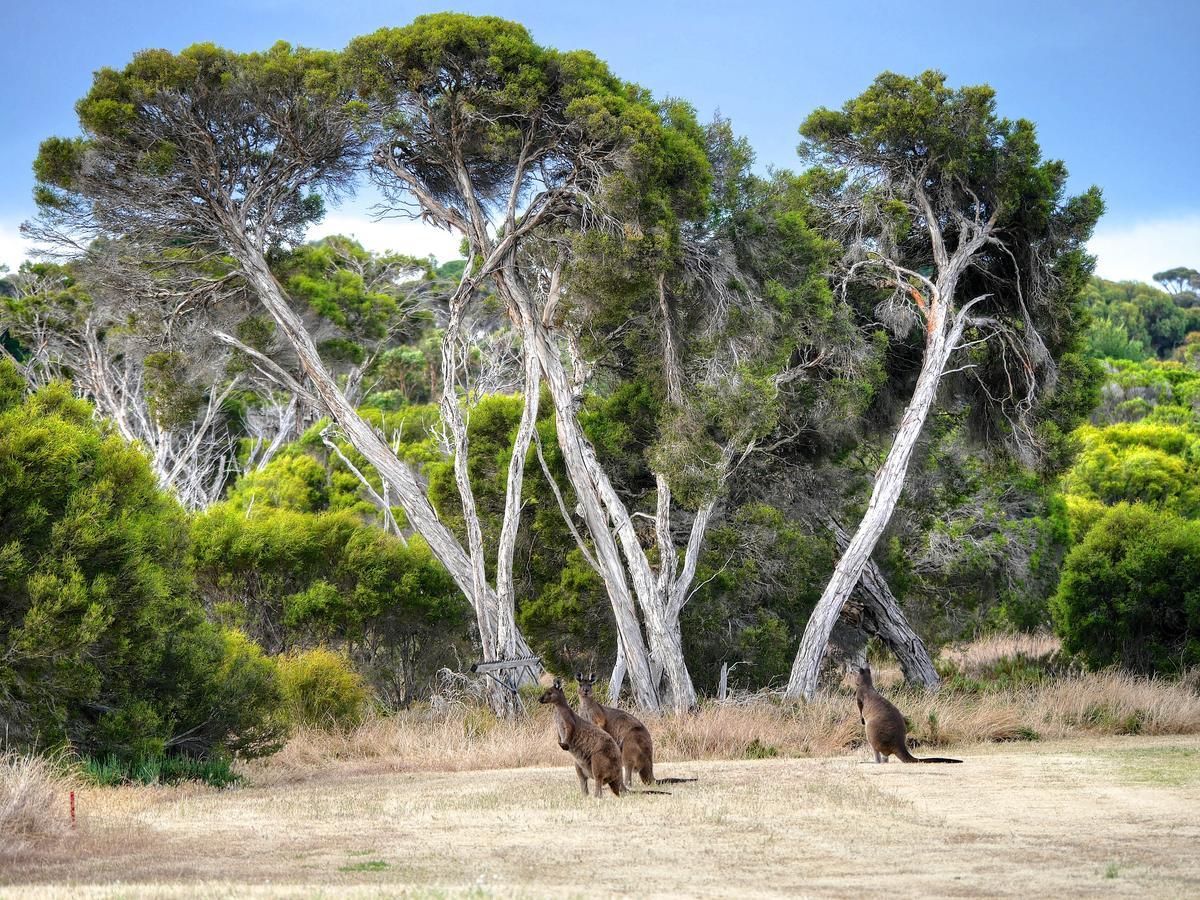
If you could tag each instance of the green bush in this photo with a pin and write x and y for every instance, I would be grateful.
(103, 644)
(321, 689)
(111, 771)
(1130, 592)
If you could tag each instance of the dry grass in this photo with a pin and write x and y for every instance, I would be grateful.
(979, 655)
(33, 803)
(461, 737)
(1095, 816)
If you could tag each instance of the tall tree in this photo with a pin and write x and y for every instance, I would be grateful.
(1179, 280)
(950, 212)
(231, 155)
(517, 148)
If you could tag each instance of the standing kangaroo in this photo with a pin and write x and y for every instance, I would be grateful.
(886, 732)
(596, 754)
(637, 750)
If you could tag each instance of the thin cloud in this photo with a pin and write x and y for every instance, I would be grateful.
(1136, 251)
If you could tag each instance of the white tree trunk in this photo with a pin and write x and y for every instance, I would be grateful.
(879, 614)
(576, 451)
(506, 626)
(659, 598)
(409, 492)
(889, 483)
(618, 676)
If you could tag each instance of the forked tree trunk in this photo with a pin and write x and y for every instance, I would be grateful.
(409, 492)
(889, 483)
(880, 616)
(576, 452)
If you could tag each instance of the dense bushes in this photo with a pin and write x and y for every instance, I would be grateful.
(1130, 592)
(295, 579)
(102, 642)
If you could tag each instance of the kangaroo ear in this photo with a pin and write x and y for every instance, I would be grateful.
(578, 676)
(592, 678)
(558, 683)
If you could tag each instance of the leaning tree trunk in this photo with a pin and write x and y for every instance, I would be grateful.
(889, 482)
(879, 614)
(375, 449)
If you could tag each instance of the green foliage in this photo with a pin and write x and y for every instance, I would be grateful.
(1130, 592)
(103, 644)
(320, 689)
(174, 401)
(149, 129)
(756, 749)
(293, 481)
(1144, 462)
(294, 579)
(1004, 674)
(1132, 320)
(113, 771)
(758, 581)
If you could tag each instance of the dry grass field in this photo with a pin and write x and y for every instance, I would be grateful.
(1105, 816)
(1083, 784)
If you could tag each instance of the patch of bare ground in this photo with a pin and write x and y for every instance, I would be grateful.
(1103, 816)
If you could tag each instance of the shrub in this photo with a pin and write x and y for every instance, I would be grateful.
(1130, 592)
(103, 644)
(321, 689)
(111, 771)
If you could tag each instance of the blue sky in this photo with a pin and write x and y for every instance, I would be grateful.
(1112, 86)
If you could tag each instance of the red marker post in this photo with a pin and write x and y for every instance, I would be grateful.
(72, 809)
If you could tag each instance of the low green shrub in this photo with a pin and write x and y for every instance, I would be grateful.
(111, 770)
(1130, 592)
(321, 689)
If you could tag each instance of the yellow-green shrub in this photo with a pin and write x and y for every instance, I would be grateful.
(321, 689)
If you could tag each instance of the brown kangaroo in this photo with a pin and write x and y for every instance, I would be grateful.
(596, 754)
(637, 750)
(886, 732)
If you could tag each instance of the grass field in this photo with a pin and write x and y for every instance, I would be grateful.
(1103, 816)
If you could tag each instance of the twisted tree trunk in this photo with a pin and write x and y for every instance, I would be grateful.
(877, 613)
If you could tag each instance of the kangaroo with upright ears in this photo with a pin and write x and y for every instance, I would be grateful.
(886, 731)
(596, 754)
(637, 750)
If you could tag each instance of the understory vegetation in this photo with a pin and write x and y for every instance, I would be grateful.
(708, 431)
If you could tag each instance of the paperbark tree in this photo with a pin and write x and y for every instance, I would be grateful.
(229, 155)
(529, 154)
(952, 213)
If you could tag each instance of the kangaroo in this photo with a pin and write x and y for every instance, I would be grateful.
(637, 750)
(596, 754)
(886, 732)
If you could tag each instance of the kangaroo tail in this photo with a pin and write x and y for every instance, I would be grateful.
(904, 756)
(645, 791)
(674, 780)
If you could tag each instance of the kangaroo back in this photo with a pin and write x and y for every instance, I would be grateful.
(886, 731)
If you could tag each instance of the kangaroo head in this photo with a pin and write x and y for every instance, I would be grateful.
(864, 677)
(585, 683)
(554, 693)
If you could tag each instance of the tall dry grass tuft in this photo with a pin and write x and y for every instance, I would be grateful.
(979, 655)
(33, 803)
(458, 736)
